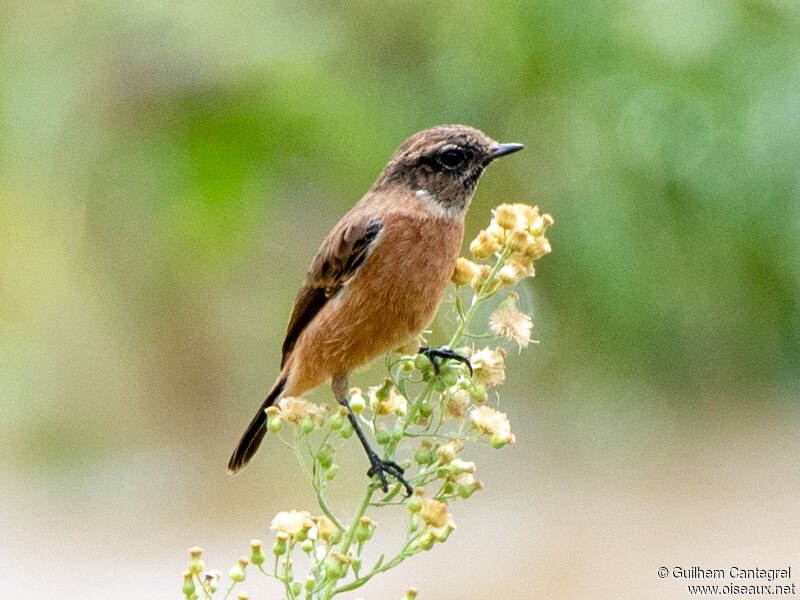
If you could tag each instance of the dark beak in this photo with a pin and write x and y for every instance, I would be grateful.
(504, 149)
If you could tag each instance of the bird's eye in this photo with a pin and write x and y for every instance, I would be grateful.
(452, 159)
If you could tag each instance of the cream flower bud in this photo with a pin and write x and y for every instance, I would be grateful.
(237, 573)
(518, 241)
(196, 564)
(484, 245)
(257, 552)
(326, 529)
(274, 421)
(357, 401)
(508, 217)
(411, 594)
(465, 271)
(497, 232)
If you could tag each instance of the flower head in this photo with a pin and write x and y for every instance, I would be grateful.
(493, 423)
(438, 519)
(512, 323)
(293, 523)
(488, 366)
(297, 411)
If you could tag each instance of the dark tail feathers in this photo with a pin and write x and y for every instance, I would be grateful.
(251, 439)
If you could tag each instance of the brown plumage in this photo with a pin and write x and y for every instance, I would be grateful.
(380, 274)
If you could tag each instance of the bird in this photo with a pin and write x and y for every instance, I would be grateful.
(379, 276)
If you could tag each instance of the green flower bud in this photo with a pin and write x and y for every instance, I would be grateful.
(307, 546)
(450, 378)
(383, 392)
(335, 421)
(498, 442)
(279, 549)
(398, 432)
(365, 529)
(407, 365)
(336, 565)
(325, 456)
(237, 572)
(426, 542)
(382, 436)
(411, 594)
(257, 552)
(478, 392)
(426, 408)
(414, 503)
(346, 431)
(356, 562)
(331, 472)
(196, 564)
(308, 424)
(188, 584)
(357, 402)
(467, 485)
(414, 522)
(244, 596)
(310, 583)
(422, 363)
(274, 420)
(297, 587)
(458, 467)
(426, 454)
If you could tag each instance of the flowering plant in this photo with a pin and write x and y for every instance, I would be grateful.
(423, 409)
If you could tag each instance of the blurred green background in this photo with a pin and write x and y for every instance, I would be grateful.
(168, 169)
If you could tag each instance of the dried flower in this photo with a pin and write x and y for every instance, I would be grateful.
(297, 411)
(512, 323)
(458, 404)
(484, 245)
(489, 366)
(493, 423)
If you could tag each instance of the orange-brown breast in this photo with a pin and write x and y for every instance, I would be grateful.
(390, 300)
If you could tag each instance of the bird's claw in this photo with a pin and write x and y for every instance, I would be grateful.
(434, 354)
(383, 467)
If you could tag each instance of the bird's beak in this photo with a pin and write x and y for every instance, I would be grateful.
(503, 149)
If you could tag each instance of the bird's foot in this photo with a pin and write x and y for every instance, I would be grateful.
(381, 468)
(434, 354)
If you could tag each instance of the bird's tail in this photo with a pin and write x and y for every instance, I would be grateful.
(251, 439)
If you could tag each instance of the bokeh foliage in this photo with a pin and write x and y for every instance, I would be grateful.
(168, 169)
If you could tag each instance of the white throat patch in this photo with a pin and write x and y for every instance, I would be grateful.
(436, 209)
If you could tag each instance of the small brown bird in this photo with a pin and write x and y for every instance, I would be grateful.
(380, 274)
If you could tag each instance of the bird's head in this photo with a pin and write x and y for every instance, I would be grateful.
(442, 165)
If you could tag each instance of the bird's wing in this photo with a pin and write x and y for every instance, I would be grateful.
(338, 260)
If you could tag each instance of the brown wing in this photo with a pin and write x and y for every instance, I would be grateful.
(339, 258)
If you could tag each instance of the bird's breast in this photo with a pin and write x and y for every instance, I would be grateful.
(391, 299)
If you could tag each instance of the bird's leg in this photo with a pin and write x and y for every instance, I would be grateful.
(378, 466)
(434, 354)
